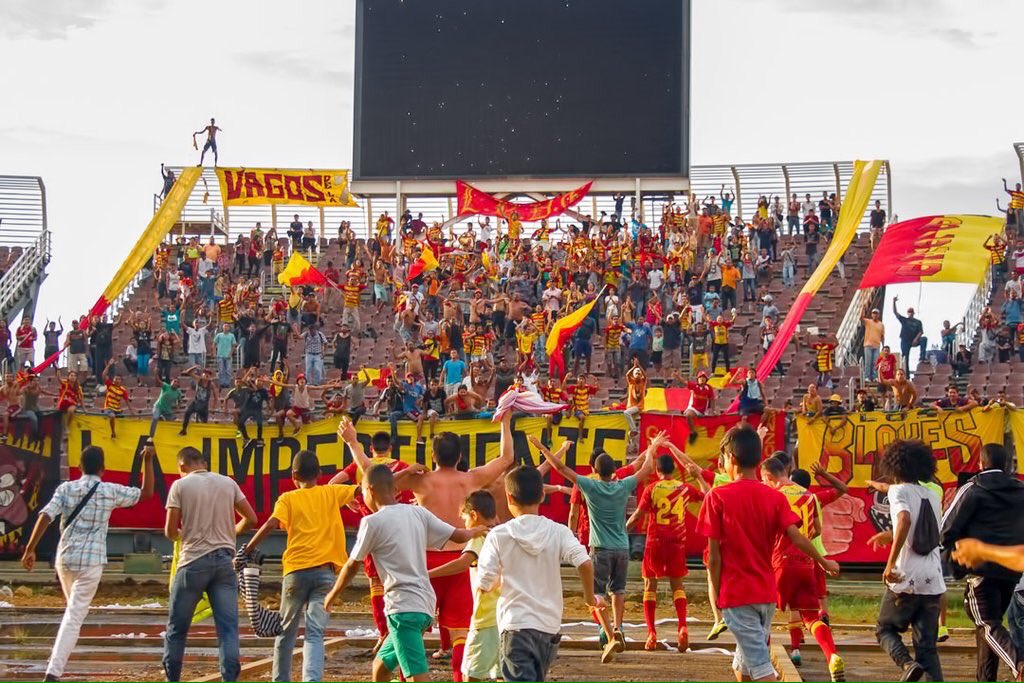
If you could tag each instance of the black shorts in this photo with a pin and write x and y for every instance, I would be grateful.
(610, 570)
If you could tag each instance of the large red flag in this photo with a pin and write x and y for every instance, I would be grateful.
(472, 200)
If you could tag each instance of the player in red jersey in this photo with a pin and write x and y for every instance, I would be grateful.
(663, 504)
(380, 454)
(795, 575)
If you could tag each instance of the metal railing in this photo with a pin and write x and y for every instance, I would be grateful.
(16, 284)
(22, 210)
(972, 316)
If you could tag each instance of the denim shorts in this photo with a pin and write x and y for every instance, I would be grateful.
(610, 570)
(750, 626)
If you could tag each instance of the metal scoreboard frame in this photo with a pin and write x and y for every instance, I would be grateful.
(540, 183)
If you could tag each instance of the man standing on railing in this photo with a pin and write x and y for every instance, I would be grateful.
(168, 176)
(211, 141)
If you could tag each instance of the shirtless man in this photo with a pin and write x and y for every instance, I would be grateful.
(904, 394)
(10, 402)
(211, 141)
(413, 357)
(464, 403)
(811, 404)
(443, 492)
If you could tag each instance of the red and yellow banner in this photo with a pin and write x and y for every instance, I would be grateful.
(858, 193)
(472, 200)
(933, 249)
(260, 186)
(263, 468)
(564, 328)
(849, 446)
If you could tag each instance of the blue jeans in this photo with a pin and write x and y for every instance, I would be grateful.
(198, 359)
(224, 372)
(870, 358)
(303, 591)
(314, 368)
(788, 274)
(210, 574)
(750, 625)
(142, 363)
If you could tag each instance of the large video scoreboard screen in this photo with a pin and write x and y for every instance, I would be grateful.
(491, 88)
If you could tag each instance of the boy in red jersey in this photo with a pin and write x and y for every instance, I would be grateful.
(794, 571)
(742, 521)
(664, 504)
(702, 401)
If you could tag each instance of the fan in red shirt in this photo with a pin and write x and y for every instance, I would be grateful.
(664, 504)
(702, 399)
(742, 521)
(794, 570)
(380, 453)
(886, 366)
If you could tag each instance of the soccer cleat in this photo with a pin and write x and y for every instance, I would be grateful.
(608, 653)
(912, 672)
(943, 634)
(619, 640)
(795, 657)
(718, 629)
(684, 639)
(652, 641)
(836, 668)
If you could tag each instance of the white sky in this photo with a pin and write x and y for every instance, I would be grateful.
(97, 93)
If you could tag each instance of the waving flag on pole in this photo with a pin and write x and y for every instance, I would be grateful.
(565, 327)
(858, 193)
(299, 271)
(425, 263)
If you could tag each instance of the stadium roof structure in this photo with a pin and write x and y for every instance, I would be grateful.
(204, 212)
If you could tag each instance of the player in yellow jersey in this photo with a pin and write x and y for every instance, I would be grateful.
(663, 504)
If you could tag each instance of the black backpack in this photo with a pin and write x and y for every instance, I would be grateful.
(926, 531)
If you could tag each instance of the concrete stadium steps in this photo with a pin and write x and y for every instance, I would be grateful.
(931, 381)
(826, 311)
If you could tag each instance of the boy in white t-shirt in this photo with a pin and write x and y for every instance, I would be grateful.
(914, 583)
(524, 556)
(397, 536)
(481, 658)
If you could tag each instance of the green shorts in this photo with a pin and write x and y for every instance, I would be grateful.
(404, 644)
(481, 658)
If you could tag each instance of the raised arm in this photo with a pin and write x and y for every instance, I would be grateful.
(555, 459)
(486, 474)
(347, 434)
(818, 471)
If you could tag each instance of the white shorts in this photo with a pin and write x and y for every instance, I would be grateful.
(480, 660)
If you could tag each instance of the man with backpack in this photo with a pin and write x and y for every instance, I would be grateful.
(990, 508)
(913, 574)
(85, 506)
